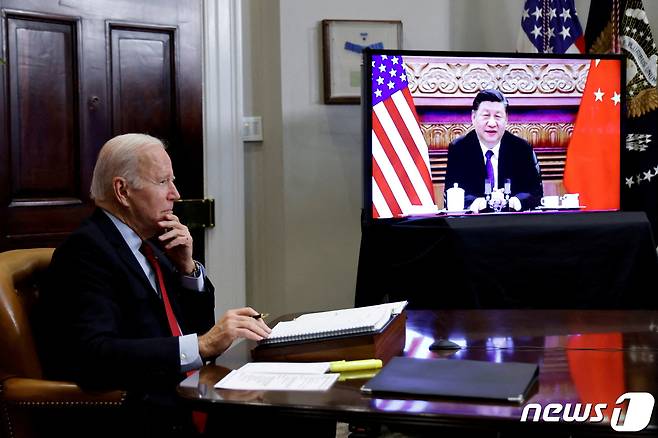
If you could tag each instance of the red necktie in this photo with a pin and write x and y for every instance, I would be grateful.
(198, 418)
(171, 318)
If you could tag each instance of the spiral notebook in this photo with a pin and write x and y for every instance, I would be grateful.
(334, 323)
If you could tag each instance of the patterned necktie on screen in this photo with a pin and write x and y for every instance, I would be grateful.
(490, 169)
(198, 418)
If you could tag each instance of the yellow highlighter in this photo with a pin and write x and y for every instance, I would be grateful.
(358, 374)
(354, 365)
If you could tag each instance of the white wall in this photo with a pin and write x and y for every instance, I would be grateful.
(264, 188)
(322, 147)
(303, 183)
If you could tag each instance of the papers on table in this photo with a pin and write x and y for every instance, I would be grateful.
(279, 376)
(318, 325)
(286, 367)
(277, 382)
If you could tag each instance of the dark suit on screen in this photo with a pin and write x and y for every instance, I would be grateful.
(516, 161)
(103, 324)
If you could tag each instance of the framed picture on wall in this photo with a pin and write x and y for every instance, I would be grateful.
(342, 44)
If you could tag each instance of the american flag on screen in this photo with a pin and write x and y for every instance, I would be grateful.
(550, 26)
(401, 181)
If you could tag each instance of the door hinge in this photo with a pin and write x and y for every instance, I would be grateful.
(196, 213)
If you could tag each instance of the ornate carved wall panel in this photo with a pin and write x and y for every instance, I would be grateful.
(516, 78)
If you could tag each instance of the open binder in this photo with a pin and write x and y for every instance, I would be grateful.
(349, 334)
(507, 381)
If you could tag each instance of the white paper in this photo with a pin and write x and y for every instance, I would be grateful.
(276, 381)
(286, 367)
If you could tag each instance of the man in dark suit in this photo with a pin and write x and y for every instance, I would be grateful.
(125, 305)
(491, 153)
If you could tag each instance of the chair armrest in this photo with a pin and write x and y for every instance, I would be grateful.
(36, 392)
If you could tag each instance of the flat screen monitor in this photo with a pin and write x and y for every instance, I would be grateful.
(512, 133)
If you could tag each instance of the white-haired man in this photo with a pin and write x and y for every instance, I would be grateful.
(125, 304)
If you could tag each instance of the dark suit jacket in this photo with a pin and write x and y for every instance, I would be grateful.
(516, 161)
(102, 323)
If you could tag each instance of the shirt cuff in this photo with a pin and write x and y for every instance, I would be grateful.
(195, 283)
(190, 359)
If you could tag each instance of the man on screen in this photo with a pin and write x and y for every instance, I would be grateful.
(491, 155)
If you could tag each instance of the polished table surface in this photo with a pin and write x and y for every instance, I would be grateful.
(584, 356)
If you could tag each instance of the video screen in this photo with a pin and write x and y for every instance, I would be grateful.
(465, 133)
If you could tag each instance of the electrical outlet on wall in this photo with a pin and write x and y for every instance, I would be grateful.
(252, 128)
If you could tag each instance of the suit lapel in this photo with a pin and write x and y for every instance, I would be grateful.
(165, 263)
(503, 158)
(128, 258)
(476, 152)
(116, 239)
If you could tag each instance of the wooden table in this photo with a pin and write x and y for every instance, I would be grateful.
(584, 356)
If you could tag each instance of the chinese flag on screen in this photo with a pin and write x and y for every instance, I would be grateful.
(592, 166)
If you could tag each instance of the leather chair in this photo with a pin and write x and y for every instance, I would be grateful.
(30, 405)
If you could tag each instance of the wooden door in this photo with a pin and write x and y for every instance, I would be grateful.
(77, 73)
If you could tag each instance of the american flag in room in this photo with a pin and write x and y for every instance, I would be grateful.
(401, 180)
(550, 26)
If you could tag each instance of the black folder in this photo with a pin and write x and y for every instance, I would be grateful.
(508, 381)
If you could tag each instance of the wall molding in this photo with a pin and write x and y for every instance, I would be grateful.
(224, 154)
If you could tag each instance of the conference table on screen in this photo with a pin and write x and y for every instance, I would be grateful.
(584, 356)
(603, 259)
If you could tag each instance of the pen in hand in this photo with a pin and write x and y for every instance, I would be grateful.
(260, 315)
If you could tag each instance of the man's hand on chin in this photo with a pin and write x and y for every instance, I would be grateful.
(177, 243)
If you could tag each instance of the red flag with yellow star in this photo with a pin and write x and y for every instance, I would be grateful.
(592, 166)
(622, 26)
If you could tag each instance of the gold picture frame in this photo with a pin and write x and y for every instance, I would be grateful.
(342, 44)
